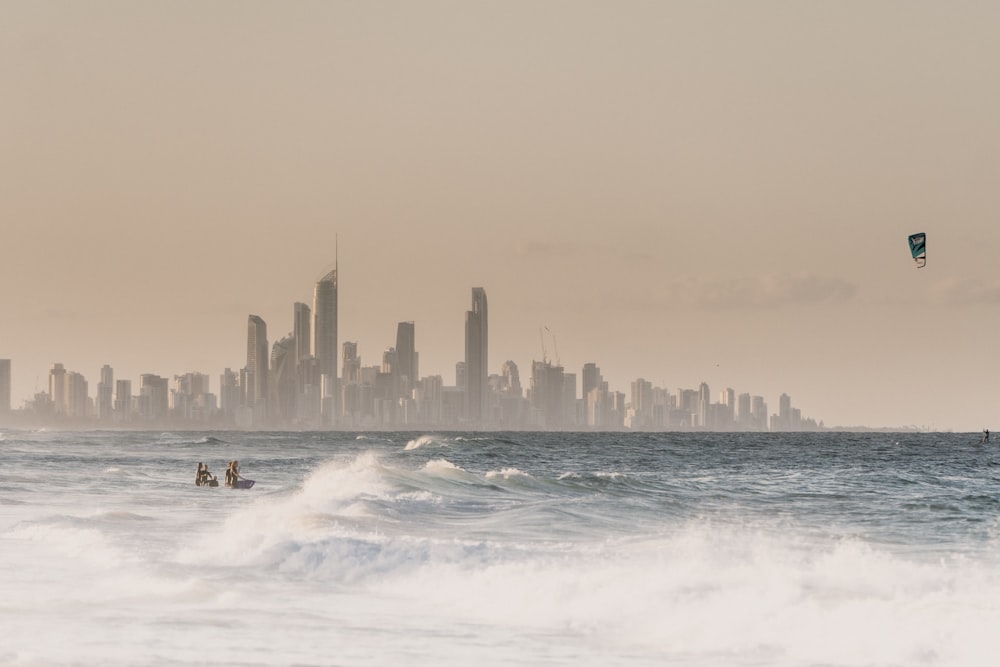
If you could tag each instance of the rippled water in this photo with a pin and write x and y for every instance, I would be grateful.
(509, 548)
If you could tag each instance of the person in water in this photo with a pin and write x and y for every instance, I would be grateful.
(204, 478)
(986, 435)
(232, 473)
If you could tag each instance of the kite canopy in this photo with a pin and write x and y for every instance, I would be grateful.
(918, 248)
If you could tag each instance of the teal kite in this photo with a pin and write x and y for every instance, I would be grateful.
(918, 248)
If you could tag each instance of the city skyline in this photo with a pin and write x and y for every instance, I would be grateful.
(683, 191)
(287, 386)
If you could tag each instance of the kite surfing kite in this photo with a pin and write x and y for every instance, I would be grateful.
(918, 248)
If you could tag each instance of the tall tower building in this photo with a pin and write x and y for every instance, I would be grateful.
(325, 342)
(4, 386)
(76, 395)
(743, 410)
(302, 330)
(406, 358)
(591, 379)
(154, 397)
(476, 357)
(257, 359)
(105, 393)
(123, 400)
(57, 388)
(284, 391)
(704, 405)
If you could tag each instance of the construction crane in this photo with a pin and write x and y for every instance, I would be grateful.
(555, 345)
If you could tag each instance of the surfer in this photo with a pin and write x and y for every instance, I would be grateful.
(986, 435)
(232, 473)
(205, 478)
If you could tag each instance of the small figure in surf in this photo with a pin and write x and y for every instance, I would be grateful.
(986, 435)
(232, 473)
(205, 478)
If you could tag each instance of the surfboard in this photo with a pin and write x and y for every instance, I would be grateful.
(244, 483)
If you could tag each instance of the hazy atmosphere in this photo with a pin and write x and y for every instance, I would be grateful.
(679, 191)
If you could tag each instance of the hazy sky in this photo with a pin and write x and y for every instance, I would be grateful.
(682, 191)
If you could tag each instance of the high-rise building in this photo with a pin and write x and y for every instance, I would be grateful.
(302, 357)
(591, 379)
(4, 386)
(302, 330)
(352, 363)
(350, 377)
(547, 395)
(406, 357)
(257, 358)
(123, 400)
(154, 397)
(77, 398)
(283, 381)
(325, 342)
(758, 410)
(511, 384)
(704, 405)
(430, 400)
(229, 393)
(476, 357)
(727, 398)
(743, 418)
(642, 403)
(57, 388)
(105, 393)
(190, 399)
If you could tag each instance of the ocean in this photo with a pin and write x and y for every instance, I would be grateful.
(702, 549)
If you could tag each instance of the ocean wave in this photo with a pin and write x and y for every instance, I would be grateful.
(178, 439)
(508, 473)
(423, 441)
(76, 537)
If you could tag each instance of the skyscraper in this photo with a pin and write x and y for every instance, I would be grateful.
(105, 393)
(325, 342)
(123, 400)
(704, 403)
(591, 379)
(406, 358)
(154, 397)
(476, 357)
(4, 386)
(302, 330)
(57, 388)
(257, 359)
(283, 382)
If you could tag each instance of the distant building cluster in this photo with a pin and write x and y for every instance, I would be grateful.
(295, 384)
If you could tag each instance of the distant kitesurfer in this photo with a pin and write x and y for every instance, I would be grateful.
(986, 435)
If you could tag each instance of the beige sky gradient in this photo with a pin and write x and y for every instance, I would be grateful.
(681, 191)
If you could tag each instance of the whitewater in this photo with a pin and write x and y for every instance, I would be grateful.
(833, 549)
